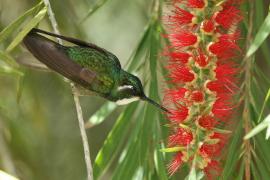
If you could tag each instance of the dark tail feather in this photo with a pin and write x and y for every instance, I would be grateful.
(71, 40)
(53, 55)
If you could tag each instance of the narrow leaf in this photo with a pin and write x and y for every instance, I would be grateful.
(260, 37)
(103, 112)
(268, 132)
(91, 11)
(6, 176)
(260, 127)
(264, 104)
(173, 149)
(8, 59)
(113, 141)
(27, 28)
(18, 22)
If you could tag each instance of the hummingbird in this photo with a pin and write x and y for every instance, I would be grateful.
(90, 67)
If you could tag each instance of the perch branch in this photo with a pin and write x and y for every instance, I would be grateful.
(76, 101)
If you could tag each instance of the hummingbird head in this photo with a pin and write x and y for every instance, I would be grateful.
(130, 89)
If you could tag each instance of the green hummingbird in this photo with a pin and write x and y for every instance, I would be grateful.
(88, 66)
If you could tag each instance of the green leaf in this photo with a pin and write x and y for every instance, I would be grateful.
(136, 57)
(260, 37)
(260, 127)
(4, 175)
(8, 70)
(27, 28)
(8, 59)
(173, 149)
(267, 132)
(233, 153)
(193, 175)
(18, 22)
(103, 112)
(223, 131)
(97, 5)
(264, 104)
(113, 141)
(125, 169)
(160, 163)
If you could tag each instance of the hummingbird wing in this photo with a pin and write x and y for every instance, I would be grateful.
(105, 64)
(53, 56)
(80, 43)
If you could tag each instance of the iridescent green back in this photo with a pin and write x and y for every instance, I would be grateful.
(104, 64)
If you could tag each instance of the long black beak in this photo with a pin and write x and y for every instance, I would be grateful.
(155, 104)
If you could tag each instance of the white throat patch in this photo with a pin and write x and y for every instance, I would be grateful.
(126, 100)
(120, 88)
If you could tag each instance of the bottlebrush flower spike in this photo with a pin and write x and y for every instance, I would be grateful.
(203, 72)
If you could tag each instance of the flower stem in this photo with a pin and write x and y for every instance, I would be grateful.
(246, 111)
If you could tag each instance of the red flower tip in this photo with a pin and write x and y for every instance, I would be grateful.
(175, 95)
(221, 109)
(181, 74)
(182, 137)
(181, 17)
(218, 87)
(179, 57)
(211, 150)
(183, 39)
(223, 49)
(208, 26)
(178, 115)
(212, 169)
(228, 17)
(207, 122)
(196, 4)
(175, 163)
(225, 71)
(201, 59)
(197, 96)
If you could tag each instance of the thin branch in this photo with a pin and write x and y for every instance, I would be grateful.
(247, 81)
(76, 101)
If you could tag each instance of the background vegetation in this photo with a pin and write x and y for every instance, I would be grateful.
(39, 134)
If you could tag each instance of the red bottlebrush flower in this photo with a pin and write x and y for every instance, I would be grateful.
(208, 26)
(196, 3)
(178, 115)
(201, 59)
(228, 17)
(220, 136)
(183, 39)
(175, 95)
(213, 150)
(221, 109)
(175, 163)
(181, 137)
(225, 71)
(181, 17)
(207, 122)
(179, 57)
(220, 87)
(206, 71)
(181, 74)
(212, 169)
(224, 49)
(197, 96)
